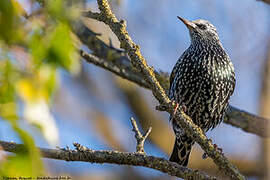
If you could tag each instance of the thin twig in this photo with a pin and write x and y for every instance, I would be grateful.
(113, 157)
(139, 137)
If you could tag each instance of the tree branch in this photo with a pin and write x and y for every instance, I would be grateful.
(113, 157)
(138, 61)
(138, 158)
(247, 121)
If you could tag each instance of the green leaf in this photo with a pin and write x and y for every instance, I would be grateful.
(8, 109)
(8, 21)
(25, 163)
(61, 49)
(55, 47)
(37, 46)
(62, 10)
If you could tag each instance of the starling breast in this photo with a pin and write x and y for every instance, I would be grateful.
(202, 80)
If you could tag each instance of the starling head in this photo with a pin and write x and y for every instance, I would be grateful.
(201, 30)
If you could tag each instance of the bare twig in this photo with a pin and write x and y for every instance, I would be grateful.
(139, 137)
(138, 61)
(113, 157)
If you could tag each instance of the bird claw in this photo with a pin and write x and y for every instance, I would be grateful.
(177, 105)
(217, 148)
(184, 108)
(205, 156)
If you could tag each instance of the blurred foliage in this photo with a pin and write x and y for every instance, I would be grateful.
(33, 47)
(8, 22)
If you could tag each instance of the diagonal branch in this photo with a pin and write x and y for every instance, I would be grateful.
(138, 61)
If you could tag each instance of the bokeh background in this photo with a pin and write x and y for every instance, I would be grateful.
(93, 107)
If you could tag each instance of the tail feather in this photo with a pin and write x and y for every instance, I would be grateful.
(181, 151)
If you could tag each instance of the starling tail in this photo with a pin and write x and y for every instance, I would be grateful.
(181, 150)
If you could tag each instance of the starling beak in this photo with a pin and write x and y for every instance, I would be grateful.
(188, 23)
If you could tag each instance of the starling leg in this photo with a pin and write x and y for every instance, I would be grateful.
(184, 107)
(175, 107)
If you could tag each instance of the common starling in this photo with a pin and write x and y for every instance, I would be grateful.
(202, 81)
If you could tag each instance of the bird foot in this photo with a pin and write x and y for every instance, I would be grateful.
(177, 105)
(205, 156)
(175, 108)
(217, 148)
(184, 108)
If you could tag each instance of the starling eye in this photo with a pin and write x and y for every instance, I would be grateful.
(201, 26)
